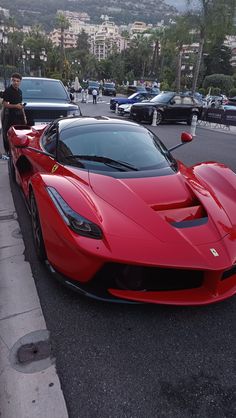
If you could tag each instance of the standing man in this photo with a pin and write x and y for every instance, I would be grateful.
(13, 108)
(94, 93)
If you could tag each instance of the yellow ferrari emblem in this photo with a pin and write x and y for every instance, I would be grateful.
(54, 168)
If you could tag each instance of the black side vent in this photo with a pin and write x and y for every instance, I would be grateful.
(229, 273)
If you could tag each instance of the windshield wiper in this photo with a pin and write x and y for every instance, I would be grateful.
(105, 160)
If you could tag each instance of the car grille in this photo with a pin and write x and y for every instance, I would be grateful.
(43, 115)
(123, 276)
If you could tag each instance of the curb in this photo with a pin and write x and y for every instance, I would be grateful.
(29, 387)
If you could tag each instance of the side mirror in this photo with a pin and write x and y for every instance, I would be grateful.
(172, 101)
(72, 97)
(186, 137)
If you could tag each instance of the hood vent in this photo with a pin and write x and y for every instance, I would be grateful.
(184, 217)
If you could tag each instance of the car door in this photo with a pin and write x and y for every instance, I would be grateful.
(188, 107)
(174, 108)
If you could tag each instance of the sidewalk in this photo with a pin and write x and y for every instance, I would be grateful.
(29, 385)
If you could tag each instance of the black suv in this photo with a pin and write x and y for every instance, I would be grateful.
(169, 107)
(46, 99)
(109, 89)
(93, 85)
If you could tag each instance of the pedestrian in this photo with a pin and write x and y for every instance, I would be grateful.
(13, 108)
(94, 94)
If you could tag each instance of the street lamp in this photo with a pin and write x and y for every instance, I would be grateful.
(43, 58)
(3, 42)
(27, 55)
(75, 64)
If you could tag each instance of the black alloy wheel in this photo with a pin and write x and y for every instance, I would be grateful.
(37, 231)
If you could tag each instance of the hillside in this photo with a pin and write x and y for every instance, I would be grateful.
(29, 12)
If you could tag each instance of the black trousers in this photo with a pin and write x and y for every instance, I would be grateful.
(7, 121)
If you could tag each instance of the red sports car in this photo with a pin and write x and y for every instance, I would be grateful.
(117, 217)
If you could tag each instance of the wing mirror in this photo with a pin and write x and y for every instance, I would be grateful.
(185, 138)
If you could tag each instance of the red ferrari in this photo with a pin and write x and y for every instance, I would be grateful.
(117, 217)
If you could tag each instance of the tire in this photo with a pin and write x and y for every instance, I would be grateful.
(37, 231)
(159, 118)
(12, 170)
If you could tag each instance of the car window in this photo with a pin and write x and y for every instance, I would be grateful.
(49, 140)
(135, 146)
(177, 100)
(187, 100)
(43, 89)
(162, 98)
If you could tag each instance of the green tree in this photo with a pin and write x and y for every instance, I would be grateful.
(214, 17)
(179, 34)
(63, 24)
(224, 82)
(217, 61)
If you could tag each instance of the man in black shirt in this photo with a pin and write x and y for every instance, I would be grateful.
(13, 108)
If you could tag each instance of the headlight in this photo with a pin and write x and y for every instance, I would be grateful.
(76, 222)
(75, 112)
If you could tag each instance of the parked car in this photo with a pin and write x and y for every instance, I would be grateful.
(216, 101)
(93, 85)
(46, 99)
(169, 106)
(109, 89)
(124, 109)
(134, 98)
(117, 217)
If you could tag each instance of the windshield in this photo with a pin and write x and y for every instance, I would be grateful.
(131, 145)
(162, 98)
(43, 89)
(109, 85)
(93, 84)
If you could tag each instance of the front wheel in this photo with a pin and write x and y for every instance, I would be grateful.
(12, 170)
(37, 231)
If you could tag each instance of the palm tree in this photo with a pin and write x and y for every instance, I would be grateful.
(63, 24)
(179, 34)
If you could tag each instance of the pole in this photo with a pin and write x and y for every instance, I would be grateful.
(4, 66)
(193, 125)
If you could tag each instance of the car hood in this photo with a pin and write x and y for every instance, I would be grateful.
(172, 208)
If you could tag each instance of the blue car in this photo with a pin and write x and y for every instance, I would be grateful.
(134, 98)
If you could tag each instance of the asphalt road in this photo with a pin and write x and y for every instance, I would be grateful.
(140, 361)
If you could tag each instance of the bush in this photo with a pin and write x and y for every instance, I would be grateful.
(202, 91)
(164, 86)
(215, 91)
(232, 92)
(223, 82)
